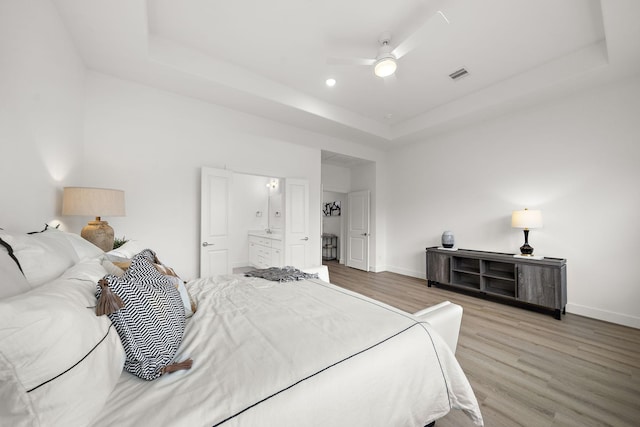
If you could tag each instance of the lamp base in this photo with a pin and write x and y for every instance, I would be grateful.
(100, 234)
(526, 250)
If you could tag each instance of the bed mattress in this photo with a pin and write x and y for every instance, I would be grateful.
(303, 353)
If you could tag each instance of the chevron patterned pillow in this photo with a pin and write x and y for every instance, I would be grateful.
(151, 323)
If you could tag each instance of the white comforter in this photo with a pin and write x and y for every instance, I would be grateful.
(296, 354)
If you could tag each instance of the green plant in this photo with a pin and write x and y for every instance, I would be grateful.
(119, 241)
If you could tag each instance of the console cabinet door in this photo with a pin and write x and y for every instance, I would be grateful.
(539, 285)
(438, 267)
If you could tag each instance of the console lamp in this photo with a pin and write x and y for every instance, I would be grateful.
(85, 201)
(526, 219)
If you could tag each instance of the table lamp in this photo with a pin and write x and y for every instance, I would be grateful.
(526, 219)
(96, 202)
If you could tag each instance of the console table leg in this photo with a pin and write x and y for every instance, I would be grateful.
(557, 314)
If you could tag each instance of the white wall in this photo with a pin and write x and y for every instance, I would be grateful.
(336, 178)
(41, 103)
(152, 144)
(578, 160)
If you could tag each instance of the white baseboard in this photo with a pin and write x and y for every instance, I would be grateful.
(594, 313)
(377, 268)
(372, 268)
(607, 316)
(405, 272)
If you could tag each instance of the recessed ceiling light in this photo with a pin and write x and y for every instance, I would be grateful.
(331, 82)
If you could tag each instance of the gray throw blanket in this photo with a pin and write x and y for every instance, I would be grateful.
(284, 274)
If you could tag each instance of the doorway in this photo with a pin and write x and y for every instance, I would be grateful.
(342, 175)
(235, 205)
(334, 212)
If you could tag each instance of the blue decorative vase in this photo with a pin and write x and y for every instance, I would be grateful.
(447, 239)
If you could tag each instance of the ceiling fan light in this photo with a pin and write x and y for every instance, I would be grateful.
(385, 67)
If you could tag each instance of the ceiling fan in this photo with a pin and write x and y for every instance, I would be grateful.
(386, 61)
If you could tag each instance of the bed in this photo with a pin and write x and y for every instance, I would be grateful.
(265, 353)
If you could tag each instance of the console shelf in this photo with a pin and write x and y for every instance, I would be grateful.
(528, 282)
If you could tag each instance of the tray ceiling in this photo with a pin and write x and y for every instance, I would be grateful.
(271, 58)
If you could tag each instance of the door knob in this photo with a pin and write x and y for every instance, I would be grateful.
(205, 244)
(306, 238)
(365, 234)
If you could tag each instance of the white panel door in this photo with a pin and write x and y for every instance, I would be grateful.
(214, 222)
(296, 222)
(358, 230)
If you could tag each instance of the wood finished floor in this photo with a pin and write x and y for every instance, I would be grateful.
(526, 368)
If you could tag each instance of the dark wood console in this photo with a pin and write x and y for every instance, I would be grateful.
(526, 281)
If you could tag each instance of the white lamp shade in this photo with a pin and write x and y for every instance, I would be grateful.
(86, 201)
(526, 219)
(385, 67)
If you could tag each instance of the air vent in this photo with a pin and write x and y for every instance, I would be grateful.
(458, 74)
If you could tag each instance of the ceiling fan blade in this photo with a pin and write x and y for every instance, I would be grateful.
(350, 61)
(414, 39)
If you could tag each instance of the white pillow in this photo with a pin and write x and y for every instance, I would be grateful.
(87, 272)
(83, 248)
(112, 268)
(12, 281)
(43, 256)
(58, 360)
(128, 250)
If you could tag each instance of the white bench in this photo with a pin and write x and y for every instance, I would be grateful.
(445, 318)
(322, 270)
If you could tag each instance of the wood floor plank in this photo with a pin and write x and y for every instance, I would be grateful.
(526, 368)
